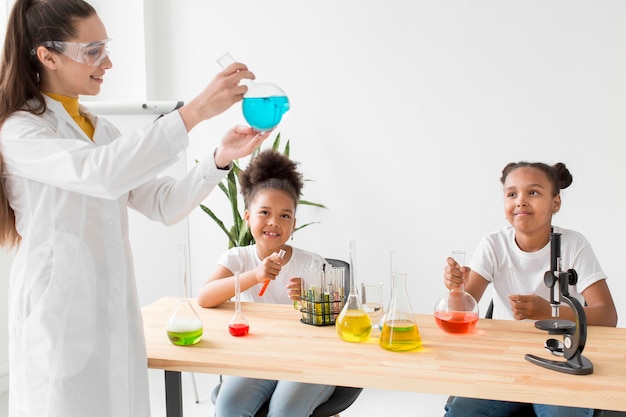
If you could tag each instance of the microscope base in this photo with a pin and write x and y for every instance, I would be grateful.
(578, 365)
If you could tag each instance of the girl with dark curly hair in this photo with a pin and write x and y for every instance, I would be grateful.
(271, 187)
(515, 258)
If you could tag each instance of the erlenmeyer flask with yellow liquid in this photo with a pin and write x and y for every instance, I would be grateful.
(184, 326)
(353, 324)
(400, 332)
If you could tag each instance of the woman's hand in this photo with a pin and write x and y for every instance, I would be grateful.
(221, 93)
(294, 288)
(238, 142)
(454, 275)
(530, 306)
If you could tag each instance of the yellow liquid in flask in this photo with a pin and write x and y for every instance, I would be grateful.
(400, 336)
(354, 326)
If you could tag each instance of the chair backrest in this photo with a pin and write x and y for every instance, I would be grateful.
(338, 263)
(489, 313)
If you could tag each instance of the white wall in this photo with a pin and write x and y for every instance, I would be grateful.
(404, 114)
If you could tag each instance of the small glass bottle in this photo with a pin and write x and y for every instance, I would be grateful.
(400, 332)
(238, 325)
(457, 311)
(353, 324)
(184, 326)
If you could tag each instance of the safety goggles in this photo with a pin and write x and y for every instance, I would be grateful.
(92, 53)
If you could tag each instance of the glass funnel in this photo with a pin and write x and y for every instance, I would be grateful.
(353, 324)
(457, 311)
(264, 104)
(238, 325)
(400, 332)
(184, 326)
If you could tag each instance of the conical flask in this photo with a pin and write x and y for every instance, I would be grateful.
(184, 326)
(400, 332)
(353, 324)
(457, 311)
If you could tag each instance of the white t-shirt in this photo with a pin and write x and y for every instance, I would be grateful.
(500, 261)
(245, 258)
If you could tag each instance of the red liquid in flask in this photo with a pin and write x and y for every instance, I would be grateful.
(238, 329)
(456, 322)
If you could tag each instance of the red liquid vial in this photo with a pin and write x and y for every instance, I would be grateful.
(238, 329)
(238, 325)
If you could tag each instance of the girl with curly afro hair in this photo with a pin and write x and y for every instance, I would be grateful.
(271, 187)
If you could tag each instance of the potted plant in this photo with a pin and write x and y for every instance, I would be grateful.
(239, 234)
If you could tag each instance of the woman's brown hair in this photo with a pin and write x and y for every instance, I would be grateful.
(30, 23)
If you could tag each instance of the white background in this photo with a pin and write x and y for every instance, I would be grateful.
(404, 113)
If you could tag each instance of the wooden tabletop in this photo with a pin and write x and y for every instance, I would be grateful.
(489, 363)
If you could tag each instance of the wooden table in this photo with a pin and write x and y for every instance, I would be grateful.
(488, 363)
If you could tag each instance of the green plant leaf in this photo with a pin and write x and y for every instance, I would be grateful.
(245, 236)
(304, 225)
(309, 203)
(218, 221)
(276, 143)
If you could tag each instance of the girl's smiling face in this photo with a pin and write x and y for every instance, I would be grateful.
(271, 218)
(530, 201)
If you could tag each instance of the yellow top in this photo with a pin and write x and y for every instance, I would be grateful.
(71, 106)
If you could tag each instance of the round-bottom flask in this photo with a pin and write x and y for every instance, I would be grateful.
(264, 105)
(400, 332)
(457, 311)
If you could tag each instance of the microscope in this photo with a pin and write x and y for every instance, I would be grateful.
(574, 333)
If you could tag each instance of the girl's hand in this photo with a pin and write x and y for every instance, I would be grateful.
(530, 306)
(269, 268)
(240, 141)
(294, 288)
(454, 275)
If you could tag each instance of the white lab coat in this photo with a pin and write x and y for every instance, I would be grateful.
(76, 345)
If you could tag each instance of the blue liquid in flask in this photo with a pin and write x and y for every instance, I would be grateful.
(264, 105)
(265, 113)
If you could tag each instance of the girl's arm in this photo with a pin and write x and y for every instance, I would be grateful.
(599, 307)
(476, 285)
(220, 286)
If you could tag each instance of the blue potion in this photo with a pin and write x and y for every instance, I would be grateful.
(264, 105)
